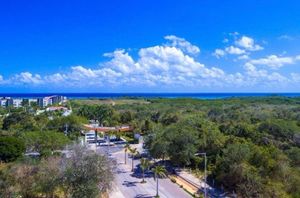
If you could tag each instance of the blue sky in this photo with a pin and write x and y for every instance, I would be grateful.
(147, 46)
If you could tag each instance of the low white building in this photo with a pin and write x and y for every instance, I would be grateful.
(32, 100)
(17, 103)
(3, 102)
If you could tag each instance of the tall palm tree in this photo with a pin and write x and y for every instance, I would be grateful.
(133, 152)
(145, 163)
(126, 148)
(159, 172)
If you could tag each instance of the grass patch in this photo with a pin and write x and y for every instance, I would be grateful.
(109, 101)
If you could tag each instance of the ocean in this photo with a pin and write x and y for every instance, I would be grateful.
(147, 95)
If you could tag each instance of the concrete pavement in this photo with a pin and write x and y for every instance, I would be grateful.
(128, 185)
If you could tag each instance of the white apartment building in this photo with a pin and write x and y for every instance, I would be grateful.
(17, 103)
(3, 102)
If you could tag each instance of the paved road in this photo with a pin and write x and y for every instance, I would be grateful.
(127, 184)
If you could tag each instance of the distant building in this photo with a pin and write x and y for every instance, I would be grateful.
(25, 102)
(51, 100)
(3, 102)
(42, 102)
(32, 100)
(17, 102)
(9, 102)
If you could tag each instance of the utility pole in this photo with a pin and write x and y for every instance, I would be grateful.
(96, 137)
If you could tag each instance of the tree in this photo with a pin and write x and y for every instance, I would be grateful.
(126, 117)
(11, 148)
(83, 173)
(159, 172)
(182, 143)
(126, 148)
(20, 121)
(71, 124)
(104, 113)
(294, 155)
(49, 185)
(145, 164)
(133, 152)
(86, 173)
(44, 142)
(169, 118)
(197, 161)
(157, 143)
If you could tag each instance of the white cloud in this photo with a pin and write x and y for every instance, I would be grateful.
(56, 78)
(225, 40)
(241, 45)
(285, 37)
(234, 50)
(248, 44)
(263, 76)
(184, 45)
(234, 34)
(80, 71)
(164, 66)
(295, 77)
(273, 61)
(27, 78)
(219, 53)
(243, 57)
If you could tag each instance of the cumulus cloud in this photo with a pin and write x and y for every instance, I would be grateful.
(184, 45)
(243, 57)
(167, 65)
(219, 53)
(28, 78)
(263, 76)
(241, 45)
(248, 44)
(273, 61)
(295, 77)
(159, 65)
(234, 50)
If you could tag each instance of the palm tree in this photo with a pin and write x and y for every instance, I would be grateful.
(133, 152)
(145, 163)
(159, 171)
(126, 148)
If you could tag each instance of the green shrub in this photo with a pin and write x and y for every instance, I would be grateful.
(173, 180)
(11, 148)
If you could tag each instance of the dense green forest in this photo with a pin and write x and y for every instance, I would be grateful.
(252, 143)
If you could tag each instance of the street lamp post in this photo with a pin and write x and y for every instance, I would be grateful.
(96, 133)
(96, 137)
(205, 164)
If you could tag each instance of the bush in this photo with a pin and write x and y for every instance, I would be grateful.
(11, 148)
(173, 180)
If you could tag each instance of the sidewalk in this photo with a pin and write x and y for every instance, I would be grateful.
(192, 180)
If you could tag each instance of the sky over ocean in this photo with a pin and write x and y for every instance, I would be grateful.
(149, 95)
(170, 46)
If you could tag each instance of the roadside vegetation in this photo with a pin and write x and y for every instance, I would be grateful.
(37, 159)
